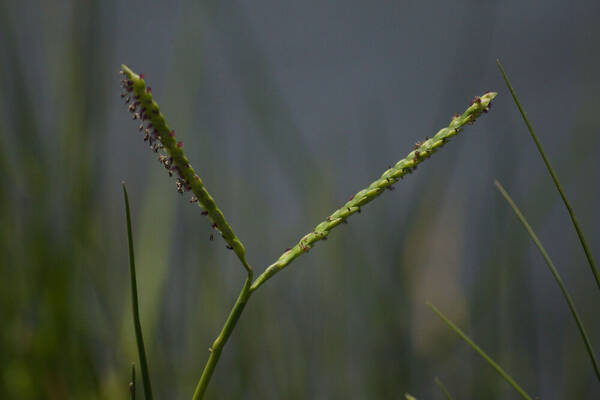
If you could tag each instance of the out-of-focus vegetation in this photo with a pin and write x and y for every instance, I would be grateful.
(287, 109)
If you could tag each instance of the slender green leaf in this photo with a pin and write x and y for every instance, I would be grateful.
(439, 383)
(132, 383)
(487, 358)
(134, 302)
(554, 271)
(580, 234)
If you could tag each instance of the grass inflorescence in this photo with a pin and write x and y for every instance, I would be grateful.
(422, 151)
(162, 141)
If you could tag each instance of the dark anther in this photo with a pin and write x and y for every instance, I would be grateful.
(179, 184)
(229, 247)
(204, 213)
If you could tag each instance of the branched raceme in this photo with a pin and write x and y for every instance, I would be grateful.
(162, 141)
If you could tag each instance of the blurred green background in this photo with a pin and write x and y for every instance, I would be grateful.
(286, 109)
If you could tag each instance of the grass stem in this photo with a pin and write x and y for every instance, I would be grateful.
(221, 340)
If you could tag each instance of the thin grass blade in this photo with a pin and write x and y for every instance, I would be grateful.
(134, 302)
(580, 234)
(557, 276)
(439, 383)
(132, 383)
(487, 358)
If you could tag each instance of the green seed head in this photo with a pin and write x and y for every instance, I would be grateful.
(162, 140)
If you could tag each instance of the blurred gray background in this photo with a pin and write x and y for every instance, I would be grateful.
(286, 109)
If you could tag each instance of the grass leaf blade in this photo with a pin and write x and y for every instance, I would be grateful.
(487, 358)
(557, 276)
(439, 383)
(134, 301)
(580, 234)
(132, 383)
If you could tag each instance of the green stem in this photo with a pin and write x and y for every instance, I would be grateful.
(487, 358)
(439, 383)
(134, 302)
(554, 271)
(221, 340)
(580, 234)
